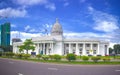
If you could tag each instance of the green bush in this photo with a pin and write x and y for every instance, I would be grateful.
(45, 57)
(85, 58)
(106, 59)
(57, 57)
(51, 57)
(71, 56)
(9, 54)
(18, 55)
(0, 53)
(26, 56)
(117, 57)
(38, 56)
(95, 59)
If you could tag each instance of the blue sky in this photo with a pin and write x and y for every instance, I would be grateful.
(99, 19)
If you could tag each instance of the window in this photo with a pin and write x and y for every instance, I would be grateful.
(67, 45)
(80, 50)
(67, 51)
(94, 51)
(74, 45)
(87, 45)
(73, 51)
(94, 45)
(87, 52)
(80, 45)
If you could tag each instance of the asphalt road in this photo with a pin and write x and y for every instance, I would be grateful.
(18, 67)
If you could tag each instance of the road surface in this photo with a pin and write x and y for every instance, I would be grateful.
(19, 67)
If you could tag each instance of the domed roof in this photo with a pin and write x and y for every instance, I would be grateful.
(57, 29)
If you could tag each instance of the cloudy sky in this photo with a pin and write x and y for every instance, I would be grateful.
(99, 19)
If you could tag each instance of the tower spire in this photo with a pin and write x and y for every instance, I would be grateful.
(57, 28)
(57, 21)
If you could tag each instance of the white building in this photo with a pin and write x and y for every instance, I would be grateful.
(57, 44)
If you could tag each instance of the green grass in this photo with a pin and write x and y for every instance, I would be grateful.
(72, 62)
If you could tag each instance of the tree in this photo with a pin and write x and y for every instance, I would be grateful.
(117, 48)
(27, 45)
(110, 50)
(21, 48)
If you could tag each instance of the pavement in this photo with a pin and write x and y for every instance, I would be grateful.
(20, 67)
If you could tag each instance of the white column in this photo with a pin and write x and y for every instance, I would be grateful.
(77, 51)
(37, 50)
(91, 48)
(52, 48)
(98, 50)
(70, 48)
(43, 48)
(84, 51)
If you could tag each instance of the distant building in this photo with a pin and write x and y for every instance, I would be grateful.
(56, 43)
(16, 40)
(5, 34)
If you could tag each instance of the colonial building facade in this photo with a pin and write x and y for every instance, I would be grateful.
(57, 44)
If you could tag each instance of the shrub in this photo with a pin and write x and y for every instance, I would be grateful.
(10, 54)
(51, 57)
(70, 57)
(85, 58)
(38, 56)
(18, 56)
(95, 59)
(57, 57)
(26, 56)
(0, 53)
(45, 57)
(117, 57)
(106, 59)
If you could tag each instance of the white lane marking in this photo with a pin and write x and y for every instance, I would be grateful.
(11, 62)
(117, 70)
(20, 74)
(52, 69)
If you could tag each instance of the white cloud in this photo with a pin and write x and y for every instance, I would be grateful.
(13, 25)
(10, 12)
(30, 2)
(32, 30)
(23, 35)
(66, 3)
(50, 6)
(46, 3)
(106, 26)
(27, 28)
(103, 21)
(90, 8)
(106, 23)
